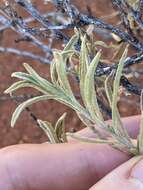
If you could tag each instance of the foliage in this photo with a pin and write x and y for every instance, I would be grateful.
(80, 59)
(60, 90)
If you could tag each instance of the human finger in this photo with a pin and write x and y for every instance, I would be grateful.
(128, 176)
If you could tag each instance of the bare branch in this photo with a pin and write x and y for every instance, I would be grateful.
(25, 54)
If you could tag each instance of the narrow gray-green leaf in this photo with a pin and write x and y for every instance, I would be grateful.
(60, 128)
(53, 73)
(85, 120)
(49, 130)
(108, 88)
(90, 140)
(116, 120)
(15, 86)
(83, 65)
(41, 81)
(24, 76)
(71, 43)
(62, 74)
(24, 84)
(29, 102)
(90, 98)
(67, 54)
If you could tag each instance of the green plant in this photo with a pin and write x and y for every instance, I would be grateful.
(90, 114)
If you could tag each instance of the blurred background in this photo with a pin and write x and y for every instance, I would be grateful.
(26, 130)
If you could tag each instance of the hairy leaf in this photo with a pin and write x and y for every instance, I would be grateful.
(49, 130)
(61, 72)
(108, 88)
(72, 42)
(29, 102)
(83, 65)
(89, 92)
(90, 140)
(40, 81)
(116, 120)
(60, 128)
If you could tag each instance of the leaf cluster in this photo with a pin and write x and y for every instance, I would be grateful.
(59, 89)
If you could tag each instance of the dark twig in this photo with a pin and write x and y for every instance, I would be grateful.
(29, 20)
(136, 14)
(25, 54)
(22, 31)
(19, 98)
(135, 59)
(45, 22)
(130, 87)
(83, 19)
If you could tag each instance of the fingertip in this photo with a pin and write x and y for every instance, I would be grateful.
(121, 177)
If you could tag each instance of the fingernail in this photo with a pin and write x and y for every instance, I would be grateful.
(137, 171)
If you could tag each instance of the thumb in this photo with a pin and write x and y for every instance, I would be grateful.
(128, 176)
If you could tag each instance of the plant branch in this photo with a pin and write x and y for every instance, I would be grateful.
(25, 54)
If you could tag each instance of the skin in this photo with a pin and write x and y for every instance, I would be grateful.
(73, 165)
(121, 177)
